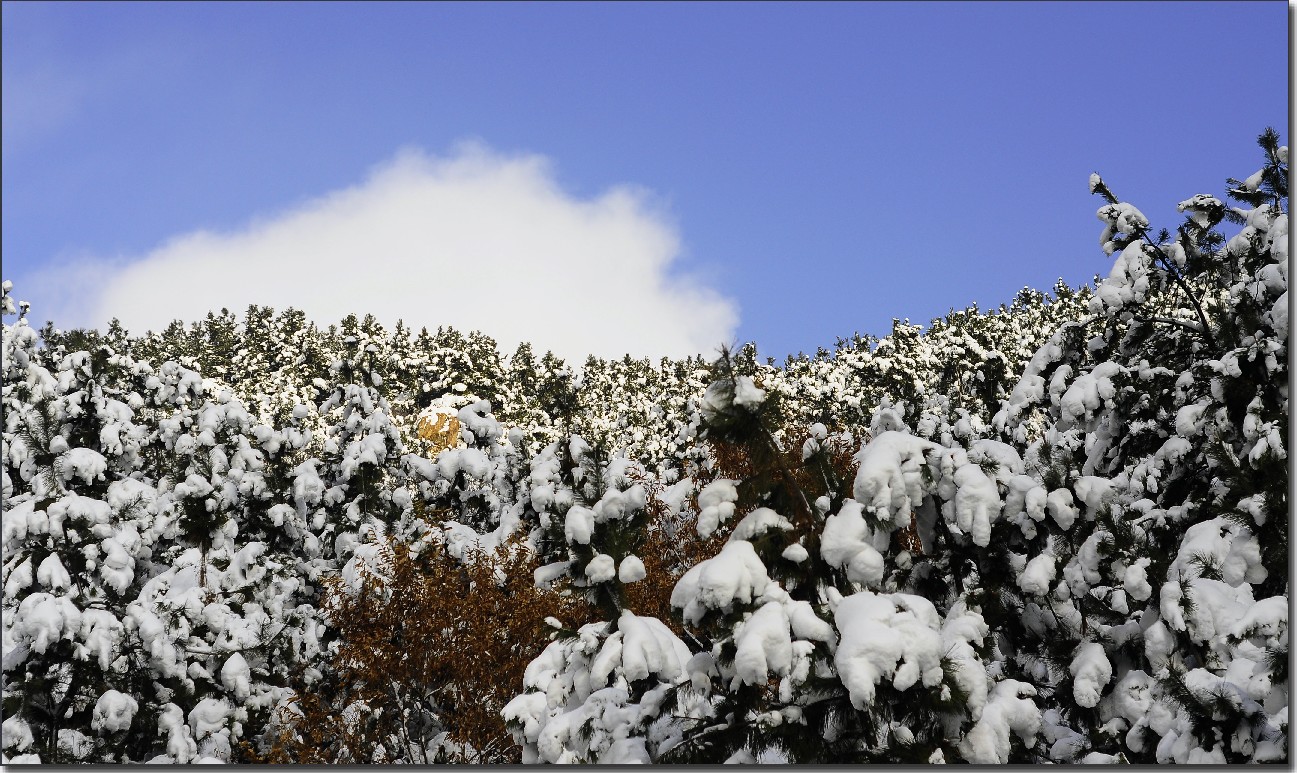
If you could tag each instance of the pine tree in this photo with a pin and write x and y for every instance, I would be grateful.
(77, 536)
(1141, 423)
(810, 649)
(363, 489)
(597, 694)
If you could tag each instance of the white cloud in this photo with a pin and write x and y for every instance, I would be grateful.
(475, 240)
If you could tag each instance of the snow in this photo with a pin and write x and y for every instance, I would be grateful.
(807, 625)
(625, 751)
(1278, 316)
(1201, 208)
(368, 561)
(84, 463)
(763, 645)
(647, 648)
(977, 500)
(370, 449)
(601, 568)
(796, 553)
(1132, 698)
(715, 505)
(893, 636)
(576, 706)
(759, 522)
(1009, 708)
(1093, 491)
(180, 747)
(1005, 457)
(735, 575)
(114, 712)
(470, 461)
(1217, 608)
(209, 722)
(75, 743)
(308, 488)
(1091, 671)
(15, 733)
(1060, 506)
(236, 677)
(1090, 391)
(1039, 574)
(1029, 389)
(19, 579)
(747, 394)
(631, 569)
(578, 525)
(477, 420)
(1189, 420)
(101, 634)
(1135, 580)
(889, 482)
(74, 507)
(1266, 622)
(1121, 218)
(1224, 544)
(118, 566)
(852, 543)
(616, 503)
(43, 619)
(52, 575)
(547, 574)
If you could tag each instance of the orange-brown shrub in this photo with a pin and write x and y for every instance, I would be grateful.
(735, 461)
(440, 431)
(433, 636)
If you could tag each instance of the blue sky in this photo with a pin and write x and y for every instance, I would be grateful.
(776, 172)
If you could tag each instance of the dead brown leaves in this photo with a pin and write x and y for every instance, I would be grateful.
(441, 431)
(439, 646)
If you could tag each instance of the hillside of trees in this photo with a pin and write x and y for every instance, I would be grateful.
(1055, 531)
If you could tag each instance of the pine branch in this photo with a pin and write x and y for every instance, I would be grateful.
(1171, 321)
(1179, 279)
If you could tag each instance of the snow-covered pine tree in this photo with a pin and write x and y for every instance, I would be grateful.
(220, 342)
(521, 383)
(175, 342)
(312, 355)
(966, 357)
(756, 641)
(259, 359)
(362, 479)
(1153, 599)
(448, 362)
(810, 649)
(76, 544)
(473, 492)
(597, 694)
(227, 616)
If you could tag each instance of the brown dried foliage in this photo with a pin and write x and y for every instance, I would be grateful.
(734, 461)
(841, 466)
(441, 431)
(435, 636)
